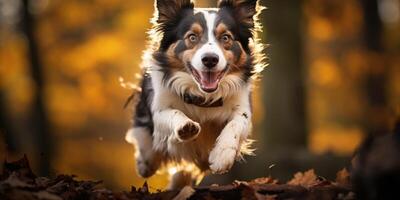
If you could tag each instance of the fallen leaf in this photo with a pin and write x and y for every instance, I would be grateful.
(343, 177)
(14, 181)
(264, 180)
(306, 179)
(145, 188)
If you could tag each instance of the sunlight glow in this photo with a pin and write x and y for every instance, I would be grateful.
(389, 11)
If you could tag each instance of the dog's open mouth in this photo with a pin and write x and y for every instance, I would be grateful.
(208, 80)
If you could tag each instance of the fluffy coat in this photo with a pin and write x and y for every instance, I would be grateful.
(194, 107)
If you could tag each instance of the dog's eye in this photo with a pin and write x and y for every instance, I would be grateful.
(193, 38)
(226, 38)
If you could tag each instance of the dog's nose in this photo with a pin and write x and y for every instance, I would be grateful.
(210, 60)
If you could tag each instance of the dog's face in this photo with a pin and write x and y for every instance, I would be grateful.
(208, 44)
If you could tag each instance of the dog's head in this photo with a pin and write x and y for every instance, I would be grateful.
(208, 44)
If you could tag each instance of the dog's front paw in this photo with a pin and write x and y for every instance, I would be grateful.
(221, 159)
(187, 131)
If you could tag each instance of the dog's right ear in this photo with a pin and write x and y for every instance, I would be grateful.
(170, 10)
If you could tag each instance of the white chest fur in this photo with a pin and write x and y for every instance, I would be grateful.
(218, 131)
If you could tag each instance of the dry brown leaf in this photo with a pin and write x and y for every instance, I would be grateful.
(23, 184)
(343, 177)
(306, 179)
(14, 181)
(145, 188)
(264, 180)
(238, 183)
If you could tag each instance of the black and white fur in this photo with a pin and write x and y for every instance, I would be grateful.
(175, 122)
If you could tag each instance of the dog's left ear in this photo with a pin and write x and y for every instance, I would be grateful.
(242, 10)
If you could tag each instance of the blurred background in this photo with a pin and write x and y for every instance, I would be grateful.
(333, 78)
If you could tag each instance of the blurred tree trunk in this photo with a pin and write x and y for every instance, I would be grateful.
(375, 83)
(284, 100)
(372, 25)
(5, 126)
(40, 123)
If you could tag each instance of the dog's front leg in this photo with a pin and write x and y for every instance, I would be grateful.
(173, 125)
(228, 144)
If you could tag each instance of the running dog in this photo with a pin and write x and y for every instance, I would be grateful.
(194, 106)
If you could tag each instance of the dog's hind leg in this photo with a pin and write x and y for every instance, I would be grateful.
(179, 180)
(147, 159)
(184, 175)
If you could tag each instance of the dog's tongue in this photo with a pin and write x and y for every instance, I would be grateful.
(209, 81)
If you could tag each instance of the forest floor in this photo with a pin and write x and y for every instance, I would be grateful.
(17, 181)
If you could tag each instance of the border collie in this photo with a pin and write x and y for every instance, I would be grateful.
(193, 111)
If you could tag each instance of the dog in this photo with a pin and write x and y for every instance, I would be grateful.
(193, 110)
